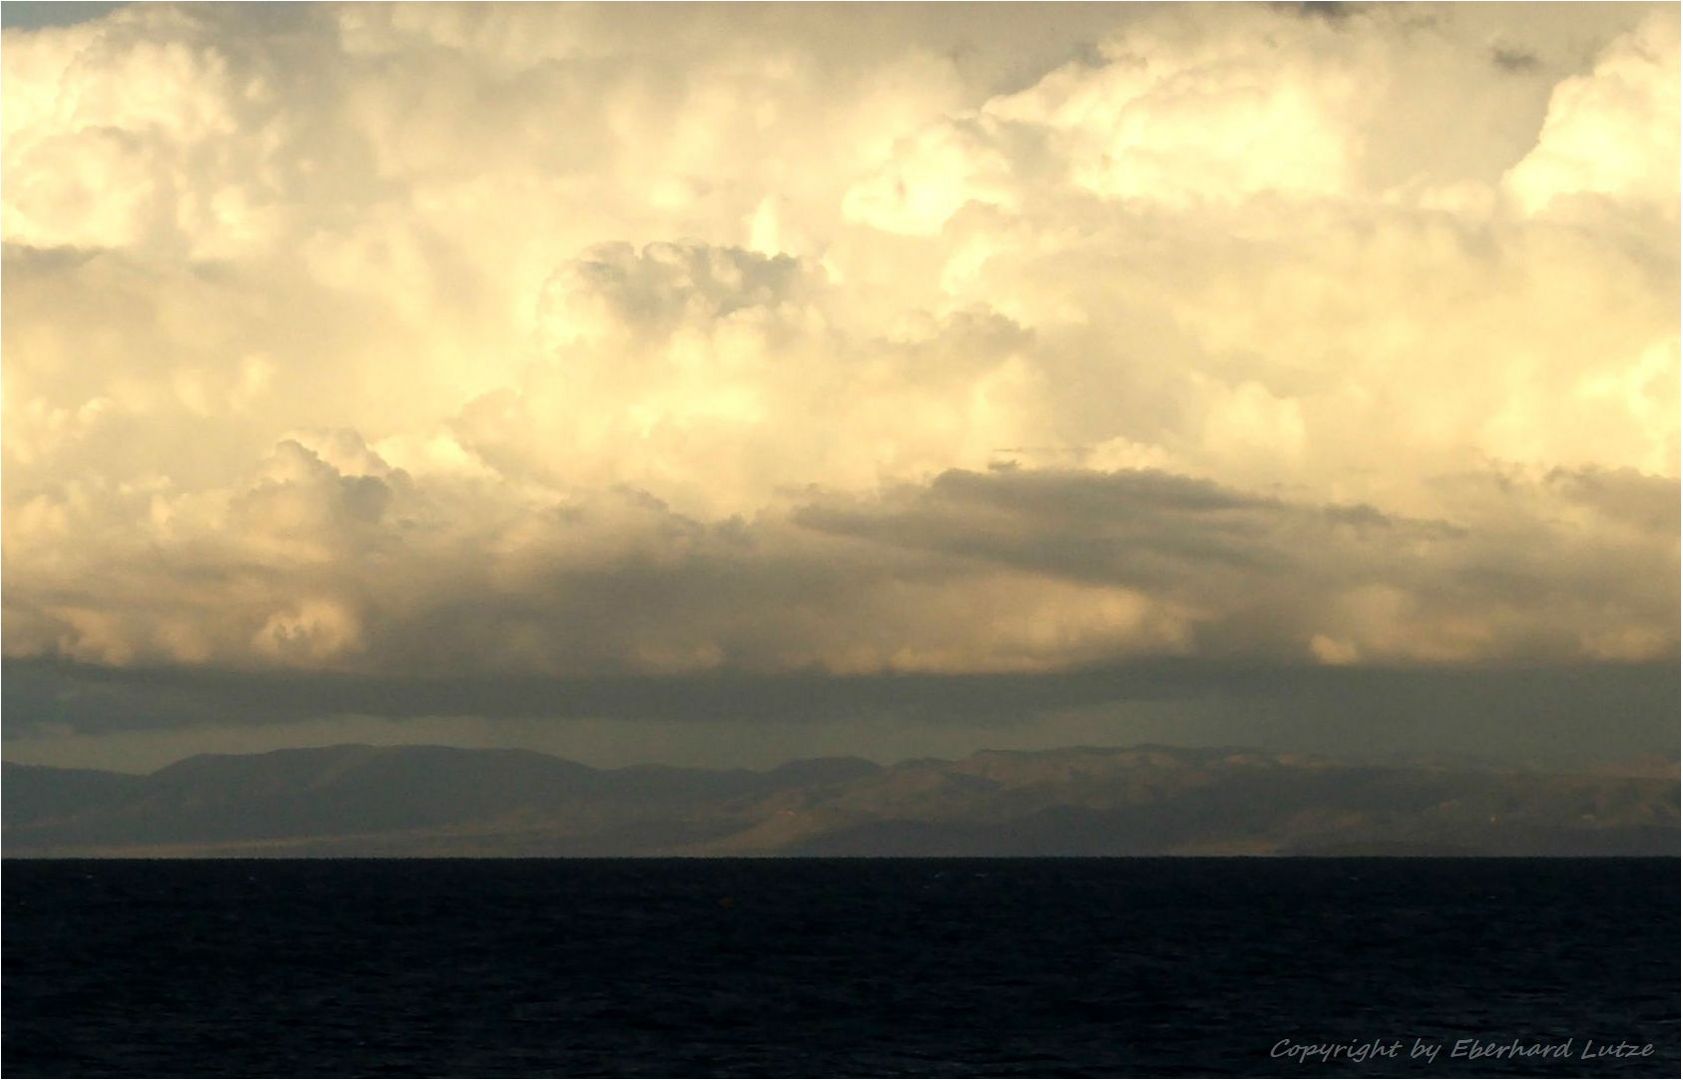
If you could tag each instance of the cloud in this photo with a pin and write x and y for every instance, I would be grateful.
(1011, 570)
(1612, 132)
(1255, 576)
(530, 342)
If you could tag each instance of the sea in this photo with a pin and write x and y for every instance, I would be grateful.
(841, 967)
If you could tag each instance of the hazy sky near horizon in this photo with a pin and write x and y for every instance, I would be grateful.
(572, 363)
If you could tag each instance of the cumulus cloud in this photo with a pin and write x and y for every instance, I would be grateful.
(1612, 131)
(521, 340)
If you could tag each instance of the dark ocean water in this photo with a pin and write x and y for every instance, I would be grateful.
(833, 967)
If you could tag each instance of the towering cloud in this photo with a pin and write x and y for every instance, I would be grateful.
(571, 341)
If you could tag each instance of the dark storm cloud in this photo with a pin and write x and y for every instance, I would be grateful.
(93, 698)
(1647, 503)
(1263, 572)
(34, 14)
(1516, 60)
(1558, 715)
(1271, 573)
(1330, 10)
(1016, 570)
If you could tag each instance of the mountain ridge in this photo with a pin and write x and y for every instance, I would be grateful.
(356, 799)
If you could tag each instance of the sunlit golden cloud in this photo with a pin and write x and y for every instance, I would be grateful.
(572, 340)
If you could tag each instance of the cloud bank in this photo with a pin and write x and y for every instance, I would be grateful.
(615, 342)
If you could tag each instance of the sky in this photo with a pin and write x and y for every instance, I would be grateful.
(727, 384)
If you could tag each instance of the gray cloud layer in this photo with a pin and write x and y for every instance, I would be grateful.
(1568, 717)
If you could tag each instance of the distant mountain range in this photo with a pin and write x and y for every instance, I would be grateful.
(1147, 800)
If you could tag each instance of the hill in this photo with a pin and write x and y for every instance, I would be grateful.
(439, 801)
